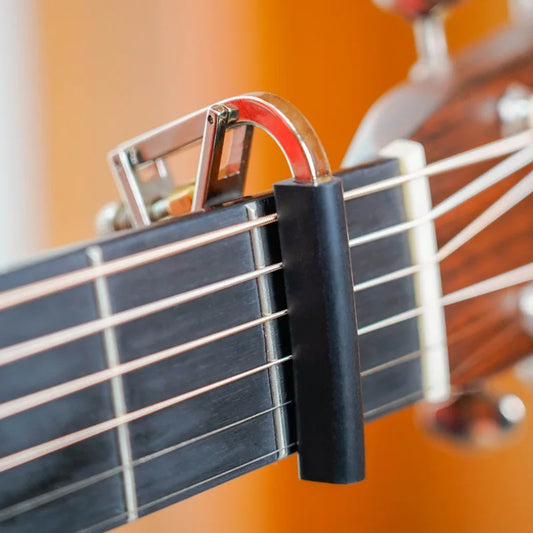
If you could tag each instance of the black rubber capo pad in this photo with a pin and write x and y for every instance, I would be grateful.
(319, 288)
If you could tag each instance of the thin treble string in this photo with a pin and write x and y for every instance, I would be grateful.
(519, 192)
(24, 349)
(483, 153)
(496, 174)
(39, 289)
(520, 275)
(18, 405)
(506, 280)
(29, 504)
(41, 397)
(29, 454)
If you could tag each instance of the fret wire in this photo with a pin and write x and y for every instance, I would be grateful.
(496, 174)
(264, 290)
(522, 190)
(483, 153)
(118, 398)
(29, 454)
(34, 346)
(43, 499)
(514, 277)
(24, 403)
(38, 289)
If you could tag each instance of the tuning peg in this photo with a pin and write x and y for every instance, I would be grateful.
(475, 418)
(427, 17)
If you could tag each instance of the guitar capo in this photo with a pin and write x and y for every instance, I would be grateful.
(314, 248)
(145, 184)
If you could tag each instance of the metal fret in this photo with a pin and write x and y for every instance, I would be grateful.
(264, 287)
(117, 387)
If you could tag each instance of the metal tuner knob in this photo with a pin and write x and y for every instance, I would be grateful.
(427, 17)
(475, 418)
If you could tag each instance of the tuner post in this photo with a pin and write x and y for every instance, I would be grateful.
(427, 17)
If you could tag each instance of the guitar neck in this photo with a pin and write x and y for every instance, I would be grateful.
(214, 399)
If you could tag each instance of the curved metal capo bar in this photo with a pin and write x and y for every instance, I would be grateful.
(279, 118)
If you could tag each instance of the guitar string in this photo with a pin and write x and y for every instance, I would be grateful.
(493, 176)
(32, 400)
(508, 200)
(36, 345)
(41, 397)
(29, 454)
(38, 289)
(512, 278)
(275, 452)
(519, 192)
(399, 317)
(483, 153)
(37, 501)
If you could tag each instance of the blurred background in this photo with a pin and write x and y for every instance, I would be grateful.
(79, 76)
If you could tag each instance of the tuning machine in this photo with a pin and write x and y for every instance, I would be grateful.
(147, 190)
(427, 17)
(473, 417)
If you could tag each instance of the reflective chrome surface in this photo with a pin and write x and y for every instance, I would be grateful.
(474, 418)
(280, 119)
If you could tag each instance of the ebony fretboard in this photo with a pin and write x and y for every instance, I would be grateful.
(162, 458)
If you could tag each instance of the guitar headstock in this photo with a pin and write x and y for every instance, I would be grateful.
(484, 96)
